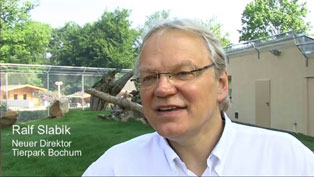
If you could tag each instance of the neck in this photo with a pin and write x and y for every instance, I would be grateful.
(194, 149)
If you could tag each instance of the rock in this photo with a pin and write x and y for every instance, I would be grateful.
(115, 118)
(116, 110)
(8, 119)
(124, 119)
(59, 107)
(102, 116)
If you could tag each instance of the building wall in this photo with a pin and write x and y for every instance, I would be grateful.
(20, 92)
(288, 77)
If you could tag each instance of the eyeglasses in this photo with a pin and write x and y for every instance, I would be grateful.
(151, 80)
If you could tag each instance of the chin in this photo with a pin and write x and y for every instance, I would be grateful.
(170, 131)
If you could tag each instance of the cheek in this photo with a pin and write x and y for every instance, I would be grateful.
(201, 95)
(146, 99)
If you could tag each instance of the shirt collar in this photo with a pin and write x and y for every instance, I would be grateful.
(224, 144)
(170, 154)
(220, 151)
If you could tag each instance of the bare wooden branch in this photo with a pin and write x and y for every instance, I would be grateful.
(122, 102)
(109, 85)
(119, 84)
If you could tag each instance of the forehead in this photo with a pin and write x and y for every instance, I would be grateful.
(170, 47)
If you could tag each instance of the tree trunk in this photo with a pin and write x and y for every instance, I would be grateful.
(119, 84)
(107, 84)
(102, 85)
(122, 102)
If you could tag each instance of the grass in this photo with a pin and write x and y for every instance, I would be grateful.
(89, 134)
(306, 140)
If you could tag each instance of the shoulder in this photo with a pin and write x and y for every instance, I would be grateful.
(125, 156)
(278, 149)
(134, 144)
(264, 136)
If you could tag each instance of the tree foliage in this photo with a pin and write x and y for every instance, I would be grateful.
(15, 12)
(215, 27)
(22, 40)
(271, 17)
(152, 20)
(211, 24)
(64, 46)
(28, 77)
(109, 42)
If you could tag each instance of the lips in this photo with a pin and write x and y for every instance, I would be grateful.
(169, 108)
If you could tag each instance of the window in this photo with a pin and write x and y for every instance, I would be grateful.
(25, 96)
(15, 96)
(35, 94)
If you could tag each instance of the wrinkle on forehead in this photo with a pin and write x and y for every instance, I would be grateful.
(183, 64)
(156, 48)
(157, 36)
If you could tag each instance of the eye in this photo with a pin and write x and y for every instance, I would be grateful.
(149, 79)
(184, 75)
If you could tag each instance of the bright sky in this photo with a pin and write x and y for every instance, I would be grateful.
(227, 12)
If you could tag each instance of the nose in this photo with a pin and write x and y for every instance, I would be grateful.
(165, 87)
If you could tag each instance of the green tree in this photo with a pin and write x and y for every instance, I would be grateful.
(15, 12)
(215, 27)
(109, 42)
(152, 20)
(26, 78)
(211, 24)
(65, 45)
(25, 44)
(271, 17)
(22, 40)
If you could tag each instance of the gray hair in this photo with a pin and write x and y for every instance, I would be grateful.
(216, 51)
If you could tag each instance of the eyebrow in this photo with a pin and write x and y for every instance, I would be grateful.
(186, 63)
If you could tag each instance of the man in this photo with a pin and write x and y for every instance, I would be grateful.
(183, 82)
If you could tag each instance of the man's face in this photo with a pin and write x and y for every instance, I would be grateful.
(184, 108)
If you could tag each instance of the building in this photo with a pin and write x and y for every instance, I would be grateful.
(25, 96)
(272, 82)
(78, 99)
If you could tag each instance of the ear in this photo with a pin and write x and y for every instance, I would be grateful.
(223, 87)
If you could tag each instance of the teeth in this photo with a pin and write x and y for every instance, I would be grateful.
(167, 109)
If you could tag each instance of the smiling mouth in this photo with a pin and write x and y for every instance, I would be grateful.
(169, 109)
